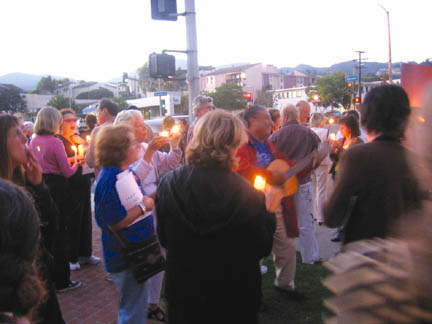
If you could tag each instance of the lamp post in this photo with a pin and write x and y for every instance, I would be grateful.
(389, 44)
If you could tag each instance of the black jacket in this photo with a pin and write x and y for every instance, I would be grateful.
(373, 188)
(215, 228)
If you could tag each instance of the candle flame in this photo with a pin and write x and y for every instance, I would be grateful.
(259, 183)
(88, 138)
(74, 148)
(332, 136)
(421, 119)
(164, 134)
(175, 129)
(331, 121)
(38, 148)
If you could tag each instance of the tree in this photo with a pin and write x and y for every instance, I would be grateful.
(264, 98)
(150, 84)
(11, 100)
(229, 96)
(146, 83)
(60, 102)
(121, 102)
(332, 90)
(49, 85)
(96, 94)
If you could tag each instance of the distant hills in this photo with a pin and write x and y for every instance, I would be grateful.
(28, 82)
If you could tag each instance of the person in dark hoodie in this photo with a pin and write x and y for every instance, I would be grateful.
(215, 228)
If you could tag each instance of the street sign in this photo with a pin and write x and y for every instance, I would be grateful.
(351, 78)
(161, 94)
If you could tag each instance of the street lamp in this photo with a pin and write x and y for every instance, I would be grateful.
(389, 42)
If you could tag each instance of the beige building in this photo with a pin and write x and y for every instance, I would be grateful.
(254, 78)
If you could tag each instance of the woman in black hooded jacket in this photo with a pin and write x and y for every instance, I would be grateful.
(215, 228)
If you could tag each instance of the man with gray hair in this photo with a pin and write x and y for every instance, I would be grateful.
(294, 142)
(201, 105)
(304, 111)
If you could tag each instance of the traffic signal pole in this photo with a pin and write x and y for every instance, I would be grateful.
(192, 54)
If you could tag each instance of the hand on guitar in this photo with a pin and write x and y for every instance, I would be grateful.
(278, 177)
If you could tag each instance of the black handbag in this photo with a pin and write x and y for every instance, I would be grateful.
(144, 258)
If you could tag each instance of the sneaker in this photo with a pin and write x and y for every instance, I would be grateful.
(73, 285)
(89, 260)
(264, 269)
(74, 266)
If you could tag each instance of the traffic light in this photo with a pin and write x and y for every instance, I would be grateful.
(163, 107)
(161, 65)
(125, 77)
(248, 96)
(349, 84)
(357, 100)
(164, 9)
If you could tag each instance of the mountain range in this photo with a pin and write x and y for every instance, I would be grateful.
(28, 82)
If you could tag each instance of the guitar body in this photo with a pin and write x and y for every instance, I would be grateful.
(274, 194)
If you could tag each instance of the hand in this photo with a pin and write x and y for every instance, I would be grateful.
(316, 161)
(148, 203)
(155, 144)
(278, 177)
(175, 139)
(33, 170)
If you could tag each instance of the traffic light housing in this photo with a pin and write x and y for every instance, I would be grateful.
(164, 10)
(125, 77)
(357, 100)
(163, 107)
(349, 85)
(248, 96)
(161, 65)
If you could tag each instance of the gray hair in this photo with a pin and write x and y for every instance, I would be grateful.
(201, 100)
(316, 119)
(127, 117)
(289, 113)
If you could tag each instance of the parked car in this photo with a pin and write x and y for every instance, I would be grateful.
(156, 123)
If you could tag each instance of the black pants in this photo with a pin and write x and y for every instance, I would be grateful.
(81, 223)
(62, 196)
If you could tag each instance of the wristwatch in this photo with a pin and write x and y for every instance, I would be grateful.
(143, 209)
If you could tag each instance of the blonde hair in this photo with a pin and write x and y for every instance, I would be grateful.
(217, 135)
(112, 143)
(47, 121)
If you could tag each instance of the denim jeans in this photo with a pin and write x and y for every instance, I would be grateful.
(132, 307)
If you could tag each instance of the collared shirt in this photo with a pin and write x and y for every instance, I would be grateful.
(295, 142)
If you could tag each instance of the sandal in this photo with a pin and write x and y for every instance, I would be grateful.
(157, 314)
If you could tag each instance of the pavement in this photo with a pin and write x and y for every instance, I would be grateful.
(96, 301)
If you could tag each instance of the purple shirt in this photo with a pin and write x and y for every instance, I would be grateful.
(51, 154)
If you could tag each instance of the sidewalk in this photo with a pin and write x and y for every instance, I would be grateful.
(96, 301)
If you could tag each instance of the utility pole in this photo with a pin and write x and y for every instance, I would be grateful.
(359, 68)
(192, 54)
(390, 70)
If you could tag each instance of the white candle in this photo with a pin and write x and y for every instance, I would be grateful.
(80, 152)
(164, 134)
(74, 148)
(332, 136)
(88, 139)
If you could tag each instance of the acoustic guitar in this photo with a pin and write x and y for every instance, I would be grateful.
(274, 194)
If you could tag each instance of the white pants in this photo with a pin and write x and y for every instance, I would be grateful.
(155, 286)
(308, 245)
(284, 255)
(320, 177)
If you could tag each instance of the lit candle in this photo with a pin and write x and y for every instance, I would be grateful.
(38, 148)
(164, 134)
(88, 139)
(331, 121)
(80, 152)
(332, 136)
(259, 183)
(175, 129)
(74, 148)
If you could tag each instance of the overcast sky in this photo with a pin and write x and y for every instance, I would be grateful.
(99, 39)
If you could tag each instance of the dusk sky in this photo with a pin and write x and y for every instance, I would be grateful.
(97, 40)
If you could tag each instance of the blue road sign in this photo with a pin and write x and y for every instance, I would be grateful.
(351, 78)
(162, 94)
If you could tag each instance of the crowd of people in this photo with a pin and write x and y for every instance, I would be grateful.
(198, 191)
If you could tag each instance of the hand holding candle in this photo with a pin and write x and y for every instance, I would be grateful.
(88, 139)
(164, 134)
(81, 152)
(332, 137)
(259, 183)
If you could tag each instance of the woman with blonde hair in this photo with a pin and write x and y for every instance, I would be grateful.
(215, 228)
(51, 155)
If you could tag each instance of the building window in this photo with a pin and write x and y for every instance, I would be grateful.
(281, 80)
(299, 94)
